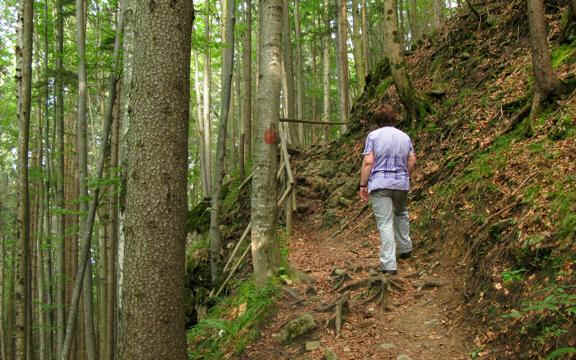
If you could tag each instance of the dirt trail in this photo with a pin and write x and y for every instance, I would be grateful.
(419, 321)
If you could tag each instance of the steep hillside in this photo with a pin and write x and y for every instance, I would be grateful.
(492, 204)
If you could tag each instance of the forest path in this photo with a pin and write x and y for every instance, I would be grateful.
(420, 321)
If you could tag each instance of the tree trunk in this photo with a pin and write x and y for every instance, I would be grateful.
(288, 67)
(156, 204)
(83, 174)
(227, 71)
(111, 250)
(3, 272)
(357, 41)
(326, 70)
(547, 83)
(246, 136)
(299, 75)
(343, 79)
(60, 267)
(23, 303)
(206, 106)
(264, 209)
(365, 40)
(438, 14)
(394, 49)
(546, 80)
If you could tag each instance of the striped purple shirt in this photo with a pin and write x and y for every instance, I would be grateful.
(391, 148)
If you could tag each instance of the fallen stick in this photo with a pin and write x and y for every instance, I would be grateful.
(244, 236)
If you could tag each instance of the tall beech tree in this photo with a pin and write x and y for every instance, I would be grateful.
(265, 157)
(23, 302)
(227, 68)
(156, 200)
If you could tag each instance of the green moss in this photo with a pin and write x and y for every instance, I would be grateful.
(232, 324)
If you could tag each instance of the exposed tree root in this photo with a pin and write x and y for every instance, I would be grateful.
(341, 308)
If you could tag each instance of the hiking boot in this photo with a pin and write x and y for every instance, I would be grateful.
(405, 256)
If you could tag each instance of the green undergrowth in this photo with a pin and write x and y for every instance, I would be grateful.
(233, 323)
(564, 54)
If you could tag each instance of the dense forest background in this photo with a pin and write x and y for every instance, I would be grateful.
(147, 148)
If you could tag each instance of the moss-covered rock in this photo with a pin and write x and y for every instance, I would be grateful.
(302, 325)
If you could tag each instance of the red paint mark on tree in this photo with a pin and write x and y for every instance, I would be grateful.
(270, 136)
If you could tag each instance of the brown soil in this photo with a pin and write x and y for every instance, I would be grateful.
(420, 320)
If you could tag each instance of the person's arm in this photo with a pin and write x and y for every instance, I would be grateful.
(411, 162)
(365, 171)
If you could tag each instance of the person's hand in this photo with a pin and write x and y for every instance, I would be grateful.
(363, 193)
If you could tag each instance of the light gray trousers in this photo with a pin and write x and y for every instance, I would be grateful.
(390, 210)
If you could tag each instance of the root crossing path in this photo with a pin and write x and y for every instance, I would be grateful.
(359, 313)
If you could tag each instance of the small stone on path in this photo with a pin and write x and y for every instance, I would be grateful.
(387, 346)
(403, 357)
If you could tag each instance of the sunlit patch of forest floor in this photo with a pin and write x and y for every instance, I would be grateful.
(415, 314)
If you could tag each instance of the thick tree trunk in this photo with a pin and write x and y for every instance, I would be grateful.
(343, 79)
(23, 303)
(394, 50)
(264, 209)
(156, 203)
(227, 71)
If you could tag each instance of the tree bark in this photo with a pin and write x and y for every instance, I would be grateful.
(246, 136)
(343, 62)
(23, 302)
(299, 75)
(83, 174)
(394, 49)
(547, 83)
(357, 42)
(326, 69)
(207, 151)
(546, 80)
(227, 71)
(264, 209)
(289, 91)
(59, 287)
(365, 40)
(156, 203)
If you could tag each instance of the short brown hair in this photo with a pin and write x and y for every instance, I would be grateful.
(385, 115)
